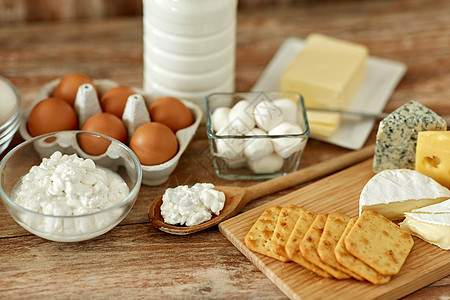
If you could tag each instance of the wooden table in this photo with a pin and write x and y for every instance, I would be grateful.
(136, 261)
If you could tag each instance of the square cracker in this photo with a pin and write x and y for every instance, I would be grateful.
(354, 264)
(259, 237)
(309, 243)
(332, 231)
(285, 223)
(379, 243)
(293, 243)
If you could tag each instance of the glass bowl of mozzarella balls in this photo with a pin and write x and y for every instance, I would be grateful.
(256, 135)
(54, 187)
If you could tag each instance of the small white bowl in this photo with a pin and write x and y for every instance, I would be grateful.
(151, 175)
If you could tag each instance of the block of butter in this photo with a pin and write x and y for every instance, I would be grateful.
(433, 155)
(327, 72)
(323, 124)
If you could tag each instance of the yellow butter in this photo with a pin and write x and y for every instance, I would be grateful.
(327, 72)
(323, 124)
(433, 155)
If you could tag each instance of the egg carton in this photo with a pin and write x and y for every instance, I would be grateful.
(135, 114)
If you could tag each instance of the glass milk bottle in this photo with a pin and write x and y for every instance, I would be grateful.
(189, 48)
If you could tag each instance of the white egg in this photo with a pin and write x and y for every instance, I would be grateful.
(256, 148)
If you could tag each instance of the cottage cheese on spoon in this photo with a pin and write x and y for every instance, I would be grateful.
(191, 206)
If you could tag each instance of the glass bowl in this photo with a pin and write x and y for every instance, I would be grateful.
(269, 147)
(117, 158)
(9, 112)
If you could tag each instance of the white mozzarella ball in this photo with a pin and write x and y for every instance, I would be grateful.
(267, 115)
(256, 148)
(229, 148)
(289, 109)
(219, 118)
(285, 147)
(268, 164)
(241, 117)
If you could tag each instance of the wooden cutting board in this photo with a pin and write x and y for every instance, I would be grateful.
(338, 192)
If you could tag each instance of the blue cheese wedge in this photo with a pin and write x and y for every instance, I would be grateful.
(430, 223)
(394, 192)
(397, 135)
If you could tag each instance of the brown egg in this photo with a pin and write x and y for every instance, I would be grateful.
(104, 123)
(67, 88)
(115, 99)
(154, 143)
(171, 112)
(50, 115)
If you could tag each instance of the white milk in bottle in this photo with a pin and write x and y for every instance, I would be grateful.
(189, 48)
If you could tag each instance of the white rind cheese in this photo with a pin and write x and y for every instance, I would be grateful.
(433, 228)
(397, 135)
(394, 192)
(438, 208)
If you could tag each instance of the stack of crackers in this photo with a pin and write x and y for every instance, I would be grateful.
(369, 247)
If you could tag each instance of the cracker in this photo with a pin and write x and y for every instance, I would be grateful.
(354, 264)
(332, 231)
(285, 223)
(308, 247)
(293, 243)
(259, 237)
(379, 243)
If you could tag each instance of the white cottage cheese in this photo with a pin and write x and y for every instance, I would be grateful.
(67, 185)
(191, 206)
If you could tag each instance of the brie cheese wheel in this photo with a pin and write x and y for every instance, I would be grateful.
(438, 208)
(431, 227)
(394, 192)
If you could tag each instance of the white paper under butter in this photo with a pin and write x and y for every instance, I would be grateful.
(394, 192)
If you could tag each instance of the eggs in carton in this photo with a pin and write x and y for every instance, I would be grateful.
(136, 113)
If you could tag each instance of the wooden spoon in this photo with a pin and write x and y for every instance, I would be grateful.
(238, 197)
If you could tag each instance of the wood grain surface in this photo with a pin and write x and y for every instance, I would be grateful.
(337, 193)
(136, 261)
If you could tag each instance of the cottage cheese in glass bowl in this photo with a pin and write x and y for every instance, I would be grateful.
(55, 190)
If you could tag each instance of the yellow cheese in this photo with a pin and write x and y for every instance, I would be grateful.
(323, 124)
(327, 72)
(433, 155)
